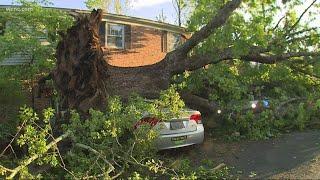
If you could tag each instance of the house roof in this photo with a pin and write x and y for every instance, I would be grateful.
(124, 19)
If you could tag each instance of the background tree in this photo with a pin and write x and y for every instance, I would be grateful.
(116, 6)
(180, 6)
(161, 17)
(26, 31)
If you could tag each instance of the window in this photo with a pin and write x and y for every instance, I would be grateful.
(177, 41)
(174, 40)
(115, 36)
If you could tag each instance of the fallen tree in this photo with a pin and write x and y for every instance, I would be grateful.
(85, 80)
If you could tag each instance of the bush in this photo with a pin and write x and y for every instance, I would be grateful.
(11, 99)
(299, 115)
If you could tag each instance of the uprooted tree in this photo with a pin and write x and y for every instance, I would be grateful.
(84, 79)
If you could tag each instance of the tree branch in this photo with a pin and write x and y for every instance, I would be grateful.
(199, 61)
(304, 12)
(283, 104)
(254, 55)
(197, 102)
(272, 59)
(302, 31)
(25, 163)
(304, 72)
(278, 23)
(83, 146)
(14, 138)
(217, 21)
(302, 38)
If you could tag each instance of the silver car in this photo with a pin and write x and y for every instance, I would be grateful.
(183, 131)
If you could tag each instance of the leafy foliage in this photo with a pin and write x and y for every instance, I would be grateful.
(105, 144)
(36, 134)
(232, 84)
(27, 29)
(32, 30)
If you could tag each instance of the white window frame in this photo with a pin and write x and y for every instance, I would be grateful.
(107, 34)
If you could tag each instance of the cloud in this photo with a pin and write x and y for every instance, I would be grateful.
(138, 4)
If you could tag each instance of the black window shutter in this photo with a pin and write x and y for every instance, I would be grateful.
(102, 33)
(164, 41)
(127, 36)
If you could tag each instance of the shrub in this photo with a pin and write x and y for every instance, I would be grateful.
(11, 98)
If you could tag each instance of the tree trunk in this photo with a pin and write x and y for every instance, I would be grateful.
(80, 68)
(147, 81)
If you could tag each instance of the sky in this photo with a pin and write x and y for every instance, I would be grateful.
(147, 9)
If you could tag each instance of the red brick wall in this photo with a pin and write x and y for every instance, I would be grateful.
(145, 48)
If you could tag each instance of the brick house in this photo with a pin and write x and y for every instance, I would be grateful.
(127, 41)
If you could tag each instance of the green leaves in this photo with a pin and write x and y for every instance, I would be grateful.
(265, 27)
(169, 104)
(112, 132)
(35, 135)
(318, 104)
(115, 105)
(155, 166)
(25, 32)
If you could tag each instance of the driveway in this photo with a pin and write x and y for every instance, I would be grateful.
(283, 157)
(263, 159)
